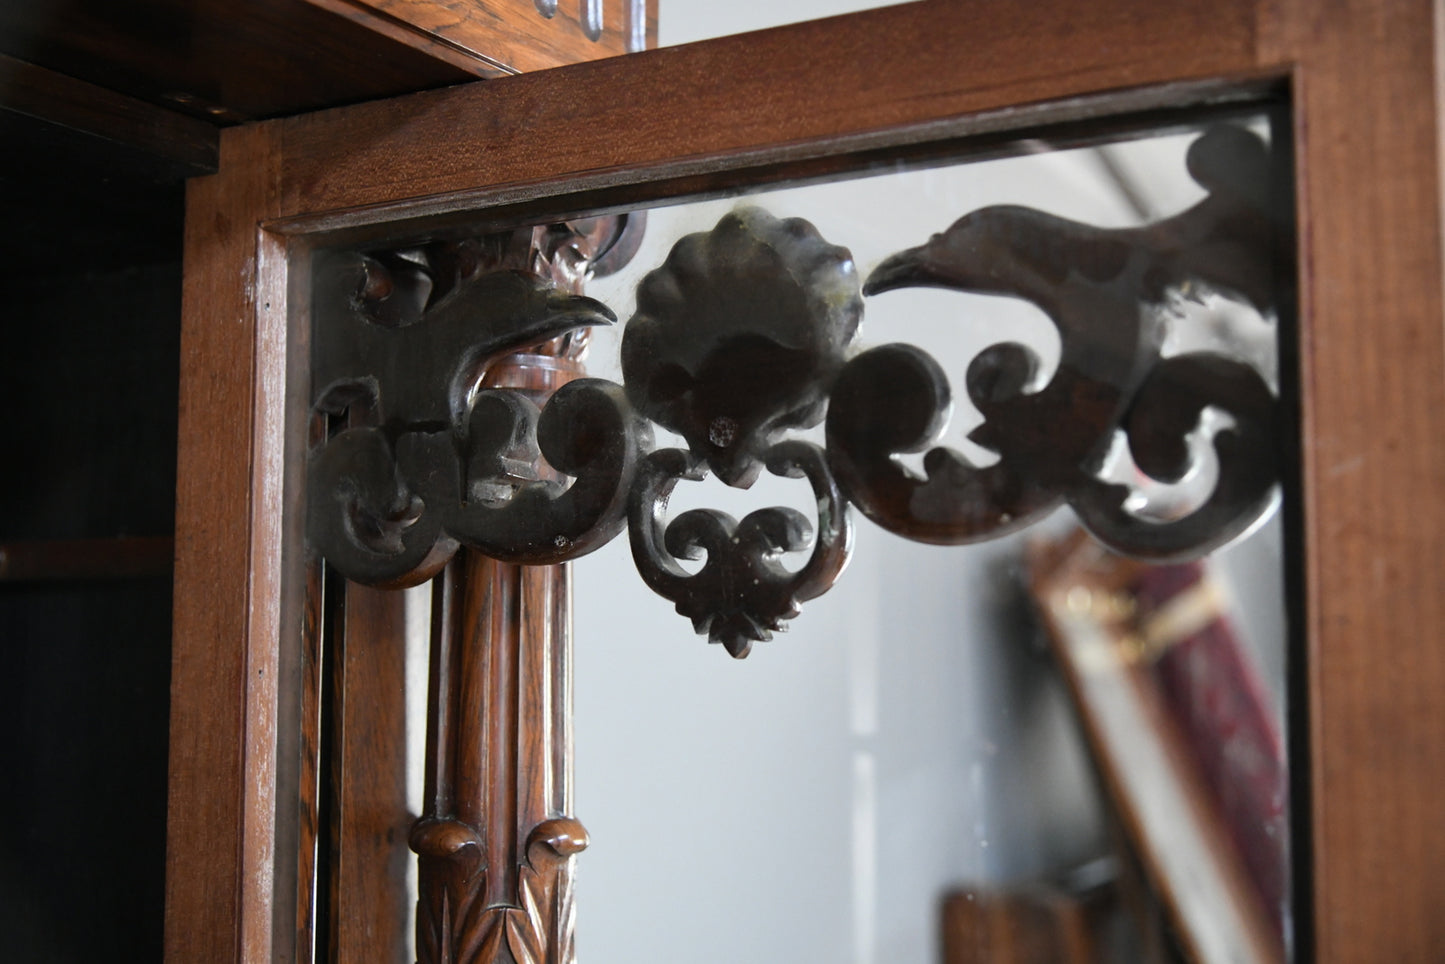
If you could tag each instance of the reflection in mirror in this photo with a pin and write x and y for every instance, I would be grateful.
(1005, 406)
(924, 767)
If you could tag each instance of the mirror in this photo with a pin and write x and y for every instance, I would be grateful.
(991, 740)
(913, 738)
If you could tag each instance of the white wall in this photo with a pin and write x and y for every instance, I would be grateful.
(684, 21)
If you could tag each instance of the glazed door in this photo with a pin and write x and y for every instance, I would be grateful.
(254, 707)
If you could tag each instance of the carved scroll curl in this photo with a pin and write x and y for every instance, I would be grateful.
(437, 462)
(1105, 290)
(743, 336)
(743, 593)
(1165, 410)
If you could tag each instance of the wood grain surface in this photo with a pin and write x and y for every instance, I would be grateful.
(822, 87)
(369, 820)
(1367, 129)
(219, 61)
(219, 851)
(501, 37)
(187, 142)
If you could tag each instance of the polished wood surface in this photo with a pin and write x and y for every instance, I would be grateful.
(1363, 80)
(188, 143)
(368, 820)
(1367, 127)
(226, 628)
(219, 61)
(500, 37)
(496, 842)
(900, 70)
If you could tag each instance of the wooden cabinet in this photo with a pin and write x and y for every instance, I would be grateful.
(818, 100)
(813, 101)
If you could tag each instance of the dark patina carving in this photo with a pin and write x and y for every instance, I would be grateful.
(743, 593)
(738, 336)
(741, 338)
(736, 340)
(429, 458)
(1105, 290)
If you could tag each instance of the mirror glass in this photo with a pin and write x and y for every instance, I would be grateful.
(997, 440)
(1027, 748)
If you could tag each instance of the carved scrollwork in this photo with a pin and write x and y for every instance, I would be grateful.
(736, 340)
(1105, 291)
(1165, 410)
(742, 338)
(436, 461)
(743, 593)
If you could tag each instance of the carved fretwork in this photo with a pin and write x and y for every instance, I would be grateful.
(736, 340)
(456, 367)
(744, 336)
(435, 455)
(743, 593)
(457, 370)
(1105, 290)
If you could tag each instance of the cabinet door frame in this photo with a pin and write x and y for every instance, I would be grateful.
(806, 101)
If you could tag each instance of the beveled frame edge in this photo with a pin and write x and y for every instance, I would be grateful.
(1366, 88)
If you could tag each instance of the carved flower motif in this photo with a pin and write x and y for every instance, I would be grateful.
(739, 335)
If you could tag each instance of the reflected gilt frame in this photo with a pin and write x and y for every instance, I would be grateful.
(927, 79)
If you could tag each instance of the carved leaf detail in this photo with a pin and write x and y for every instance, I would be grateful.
(743, 593)
(454, 923)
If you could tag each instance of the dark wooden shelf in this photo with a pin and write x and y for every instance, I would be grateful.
(80, 559)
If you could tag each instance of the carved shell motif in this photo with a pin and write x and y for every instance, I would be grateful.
(738, 338)
(739, 335)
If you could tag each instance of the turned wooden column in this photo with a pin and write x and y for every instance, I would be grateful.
(497, 839)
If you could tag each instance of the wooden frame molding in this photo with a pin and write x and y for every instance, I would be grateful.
(809, 101)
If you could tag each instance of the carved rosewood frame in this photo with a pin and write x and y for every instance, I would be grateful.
(807, 101)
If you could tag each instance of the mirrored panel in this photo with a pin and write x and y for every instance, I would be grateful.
(1018, 743)
(998, 444)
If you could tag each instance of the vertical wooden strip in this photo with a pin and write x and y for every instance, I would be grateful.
(444, 674)
(221, 815)
(534, 689)
(1367, 129)
(369, 781)
(309, 796)
(561, 742)
(494, 806)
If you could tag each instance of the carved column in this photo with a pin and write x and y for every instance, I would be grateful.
(496, 843)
